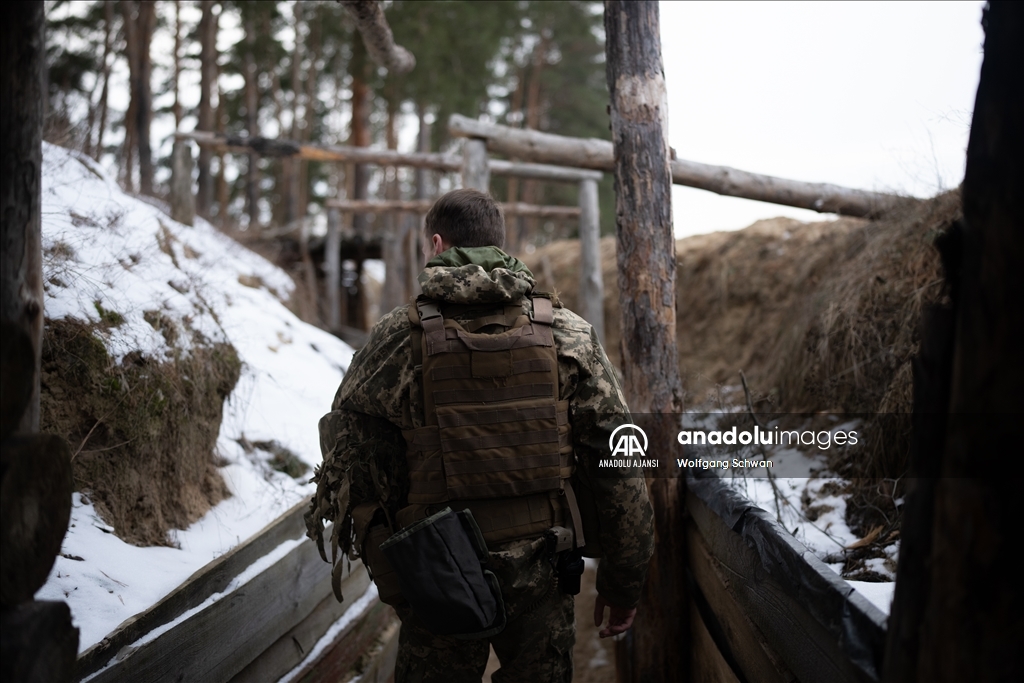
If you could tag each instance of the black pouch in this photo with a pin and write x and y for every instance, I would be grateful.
(440, 565)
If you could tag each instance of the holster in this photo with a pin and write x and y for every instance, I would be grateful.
(440, 562)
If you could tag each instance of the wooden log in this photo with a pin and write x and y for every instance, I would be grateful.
(22, 92)
(521, 169)
(183, 202)
(645, 244)
(377, 36)
(591, 301)
(35, 499)
(340, 153)
(475, 171)
(37, 643)
(598, 154)
(211, 579)
(422, 206)
(382, 157)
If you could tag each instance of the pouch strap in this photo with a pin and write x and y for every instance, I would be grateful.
(574, 512)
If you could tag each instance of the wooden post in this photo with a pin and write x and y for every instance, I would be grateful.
(332, 265)
(658, 647)
(973, 622)
(183, 202)
(475, 171)
(591, 303)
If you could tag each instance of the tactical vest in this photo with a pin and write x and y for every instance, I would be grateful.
(496, 438)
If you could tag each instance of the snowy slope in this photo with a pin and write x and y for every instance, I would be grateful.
(104, 247)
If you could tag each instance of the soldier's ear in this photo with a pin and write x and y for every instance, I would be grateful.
(438, 244)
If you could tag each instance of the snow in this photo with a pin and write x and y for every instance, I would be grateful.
(105, 251)
(799, 476)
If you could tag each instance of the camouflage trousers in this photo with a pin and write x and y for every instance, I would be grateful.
(535, 647)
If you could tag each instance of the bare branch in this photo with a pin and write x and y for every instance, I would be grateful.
(377, 36)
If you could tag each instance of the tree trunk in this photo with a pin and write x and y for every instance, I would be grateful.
(143, 90)
(650, 360)
(973, 625)
(359, 135)
(291, 166)
(23, 49)
(207, 85)
(108, 33)
(393, 248)
(252, 189)
(176, 107)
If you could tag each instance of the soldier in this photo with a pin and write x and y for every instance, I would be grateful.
(458, 401)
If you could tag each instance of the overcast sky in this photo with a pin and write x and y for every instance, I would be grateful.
(872, 95)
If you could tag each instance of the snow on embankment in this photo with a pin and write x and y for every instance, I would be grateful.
(152, 290)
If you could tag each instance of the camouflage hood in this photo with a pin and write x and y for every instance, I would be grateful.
(476, 275)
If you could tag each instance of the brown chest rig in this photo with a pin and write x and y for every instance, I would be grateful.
(496, 439)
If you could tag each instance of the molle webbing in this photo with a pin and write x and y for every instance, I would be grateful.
(496, 437)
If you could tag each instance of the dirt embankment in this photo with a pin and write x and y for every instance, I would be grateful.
(142, 431)
(819, 316)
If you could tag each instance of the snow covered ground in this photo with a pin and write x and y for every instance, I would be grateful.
(807, 500)
(107, 251)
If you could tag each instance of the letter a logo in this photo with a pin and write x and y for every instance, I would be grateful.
(628, 445)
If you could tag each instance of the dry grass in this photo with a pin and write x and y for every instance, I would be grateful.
(819, 316)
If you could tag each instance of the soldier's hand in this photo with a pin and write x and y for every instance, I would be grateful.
(620, 620)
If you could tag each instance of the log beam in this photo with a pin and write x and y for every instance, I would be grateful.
(597, 154)
(423, 205)
(383, 157)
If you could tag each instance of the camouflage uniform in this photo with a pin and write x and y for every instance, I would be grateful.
(364, 460)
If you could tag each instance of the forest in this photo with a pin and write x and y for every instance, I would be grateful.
(292, 70)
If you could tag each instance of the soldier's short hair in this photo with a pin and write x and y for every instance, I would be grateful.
(467, 218)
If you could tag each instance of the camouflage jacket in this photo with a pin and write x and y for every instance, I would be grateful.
(364, 451)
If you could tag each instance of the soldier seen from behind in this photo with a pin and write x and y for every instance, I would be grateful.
(460, 464)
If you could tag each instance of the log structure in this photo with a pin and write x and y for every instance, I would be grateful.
(598, 154)
(423, 205)
(383, 157)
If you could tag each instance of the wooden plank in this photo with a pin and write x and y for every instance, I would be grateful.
(219, 641)
(810, 651)
(747, 645)
(211, 579)
(291, 648)
(593, 153)
(707, 665)
(355, 648)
